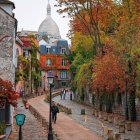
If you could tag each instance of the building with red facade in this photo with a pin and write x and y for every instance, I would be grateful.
(53, 50)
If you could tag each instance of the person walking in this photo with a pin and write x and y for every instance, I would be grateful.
(64, 93)
(61, 94)
(54, 110)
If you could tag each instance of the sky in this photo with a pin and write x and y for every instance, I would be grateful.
(30, 14)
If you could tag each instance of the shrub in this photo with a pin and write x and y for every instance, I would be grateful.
(2, 128)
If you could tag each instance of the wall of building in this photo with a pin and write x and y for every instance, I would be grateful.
(8, 8)
(7, 68)
(7, 28)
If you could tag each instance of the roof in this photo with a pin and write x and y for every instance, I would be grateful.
(26, 41)
(7, 2)
(19, 41)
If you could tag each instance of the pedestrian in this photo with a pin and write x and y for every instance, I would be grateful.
(54, 110)
(61, 94)
(64, 93)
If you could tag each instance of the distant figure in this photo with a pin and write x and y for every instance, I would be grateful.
(64, 93)
(55, 110)
(61, 94)
(22, 94)
(70, 95)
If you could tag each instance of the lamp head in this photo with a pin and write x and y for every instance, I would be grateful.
(50, 78)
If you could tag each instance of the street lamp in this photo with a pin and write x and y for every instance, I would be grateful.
(44, 82)
(50, 78)
(126, 91)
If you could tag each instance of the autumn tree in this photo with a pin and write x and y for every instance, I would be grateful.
(86, 17)
(8, 93)
(128, 38)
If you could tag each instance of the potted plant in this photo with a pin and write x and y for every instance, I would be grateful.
(2, 129)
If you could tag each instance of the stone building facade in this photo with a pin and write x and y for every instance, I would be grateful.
(7, 42)
(8, 27)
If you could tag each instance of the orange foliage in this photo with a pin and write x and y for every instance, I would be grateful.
(86, 20)
(56, 62)
(109, 73)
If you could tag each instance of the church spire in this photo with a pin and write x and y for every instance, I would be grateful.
(48, 9)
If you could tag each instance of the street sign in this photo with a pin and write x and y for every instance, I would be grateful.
(20, 118)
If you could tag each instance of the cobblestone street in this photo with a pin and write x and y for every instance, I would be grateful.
(65, 127)
(93, 123)
(74, 126)
(32, 129)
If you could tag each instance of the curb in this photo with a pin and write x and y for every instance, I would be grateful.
(42, 120)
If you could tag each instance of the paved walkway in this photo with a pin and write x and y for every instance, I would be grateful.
(65, 127)
(32, 129)
(87, 120)
(93, 123)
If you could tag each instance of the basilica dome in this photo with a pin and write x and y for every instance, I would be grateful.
(49, 26)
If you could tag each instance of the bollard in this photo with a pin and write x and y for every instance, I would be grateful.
(117, 136)
(70, 96)
(129, 126)
(121, 128)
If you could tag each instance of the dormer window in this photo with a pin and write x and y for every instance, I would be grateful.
(48, 49)
(63, 50)
(48, 62)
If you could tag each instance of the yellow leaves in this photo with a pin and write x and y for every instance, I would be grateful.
(84, 40)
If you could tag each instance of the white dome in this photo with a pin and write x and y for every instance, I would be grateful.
(50, 27)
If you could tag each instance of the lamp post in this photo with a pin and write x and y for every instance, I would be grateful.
(44, 82)
(50, 81)
(126, 92)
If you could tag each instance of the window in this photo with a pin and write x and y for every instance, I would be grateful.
(63, 74)
(63, 84)
(63, 62)
(26, 54)
(48, 50)
(63, 50)
(48, 62)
